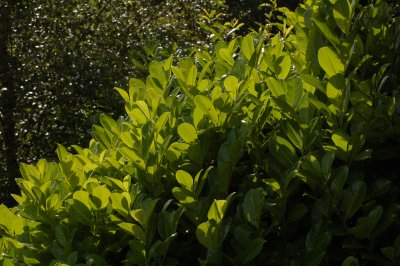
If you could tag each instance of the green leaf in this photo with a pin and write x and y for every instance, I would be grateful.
(341, 140)
(187, 132)
(100, 197)
(207, 234)
(366, 225)
(353, 198)
(350, 261)
(388, 252)
(339, 178)
(109, 123)
(330, 61)
(335, 88)
(148, 205)
(123, 94)
(198, 182)
(30, 261)
(11, 223)
(138, 256)
(168, 222)
(133, 157)
(184, 196)
(162, 121)
(342, 15)
(217, 210)
(326, 164)
(282, 68)
(80, 211)
(139, 216)
(121, 202)
(251, 250)
(225, 53)
(282, 151)
(247, 46)
(61, 234)
(327, 32)
(82, 196)
(294, 133)
(276, 87)
(144, 108)
(205, 105)
(156, 70)
(294, 92)
(135, 230)
(185, 180)
(191, 76)
(101, 136)
(253, 205)
(231, 84)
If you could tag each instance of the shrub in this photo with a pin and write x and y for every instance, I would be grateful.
(268, 149)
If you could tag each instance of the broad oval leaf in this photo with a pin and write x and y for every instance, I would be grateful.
(231, 84)
(253, 205)
(225, 53)
(101, 197)
(187, 132)
(207, 234)
(185, 180)
(330, 61)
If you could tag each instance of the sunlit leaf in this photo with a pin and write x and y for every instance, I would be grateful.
(330, 61)
(187, 132)
(342, 15)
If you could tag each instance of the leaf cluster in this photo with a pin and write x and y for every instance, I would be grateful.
(267, 149)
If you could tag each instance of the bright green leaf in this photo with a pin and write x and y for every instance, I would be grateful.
(231, 84)
(330, 61)
(187, 132)
(185, 180)
(217, 210)
(247, 46)
(207, 234)
(134, 229)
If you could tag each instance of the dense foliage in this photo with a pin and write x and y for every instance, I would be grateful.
(61, 60)
(268, 149)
